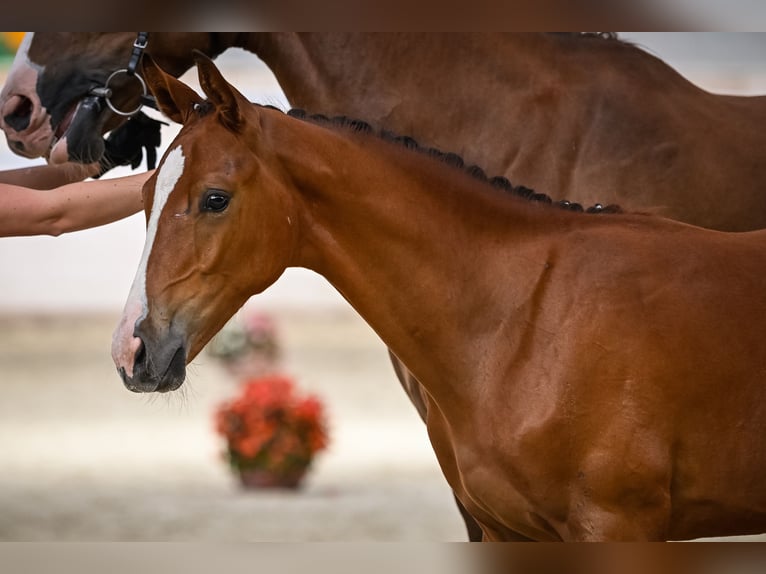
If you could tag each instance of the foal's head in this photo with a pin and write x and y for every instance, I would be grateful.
(220, 228)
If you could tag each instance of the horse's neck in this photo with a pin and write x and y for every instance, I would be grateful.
(414, 83)
(429, 256)
(173, 51)
(434, 87)
(364, 75)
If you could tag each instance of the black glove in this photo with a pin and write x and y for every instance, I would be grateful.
(124, 144)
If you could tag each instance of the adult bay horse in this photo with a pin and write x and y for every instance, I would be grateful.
(588, 118)
(587, 376)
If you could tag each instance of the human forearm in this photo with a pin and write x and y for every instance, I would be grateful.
(48, 176)
(98, 202)
(69, 208)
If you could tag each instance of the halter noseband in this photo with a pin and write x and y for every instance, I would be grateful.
(105, 92)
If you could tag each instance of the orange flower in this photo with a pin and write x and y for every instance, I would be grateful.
(269, 426)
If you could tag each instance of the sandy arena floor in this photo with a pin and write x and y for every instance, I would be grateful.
(83, 459)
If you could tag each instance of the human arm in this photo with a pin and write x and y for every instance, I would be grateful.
(48, 176)
(71, 207)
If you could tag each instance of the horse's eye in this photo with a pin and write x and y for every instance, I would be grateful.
(215, 200)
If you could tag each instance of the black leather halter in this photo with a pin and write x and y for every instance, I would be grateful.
(105, 92)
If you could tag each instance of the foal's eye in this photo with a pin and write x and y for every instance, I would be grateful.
(215, 200)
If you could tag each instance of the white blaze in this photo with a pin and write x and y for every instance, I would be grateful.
(21, 59)
(124, 344)
(23, 48)
(22, 77)
(22, 81)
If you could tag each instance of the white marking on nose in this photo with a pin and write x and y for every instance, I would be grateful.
(33, 139)
(22, 54)
(23, 72)
(21, 78)
(124, 344)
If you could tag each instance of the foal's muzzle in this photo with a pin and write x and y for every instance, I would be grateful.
(158, 366)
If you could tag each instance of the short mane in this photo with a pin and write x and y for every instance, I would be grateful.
(453, 159)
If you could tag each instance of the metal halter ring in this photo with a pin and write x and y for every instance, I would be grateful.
(107, 92)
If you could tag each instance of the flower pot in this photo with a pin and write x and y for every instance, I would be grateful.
(252, 478)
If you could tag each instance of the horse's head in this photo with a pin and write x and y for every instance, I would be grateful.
(57, 99)
(45, 105)
(210, 243)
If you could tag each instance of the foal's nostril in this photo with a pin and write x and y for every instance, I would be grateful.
(140, 355)
(20, 113)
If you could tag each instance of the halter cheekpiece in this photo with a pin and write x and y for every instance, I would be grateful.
(105, 92)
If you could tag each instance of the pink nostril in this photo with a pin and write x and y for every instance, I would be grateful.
(126, 347)
(137, 346)
(126, 353)
(17, 112)
(135, 354)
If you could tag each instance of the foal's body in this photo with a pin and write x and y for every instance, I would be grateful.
(578, 369)
(587, 377)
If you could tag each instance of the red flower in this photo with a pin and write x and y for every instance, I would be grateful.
(269, 426)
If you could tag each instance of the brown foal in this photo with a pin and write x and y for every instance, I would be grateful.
(585, 376)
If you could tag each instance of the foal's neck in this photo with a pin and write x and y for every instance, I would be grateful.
(427, 254)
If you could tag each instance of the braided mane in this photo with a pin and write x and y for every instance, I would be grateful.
(452, 159)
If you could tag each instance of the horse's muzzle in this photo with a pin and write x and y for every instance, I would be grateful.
(157, 368)
(79, 134)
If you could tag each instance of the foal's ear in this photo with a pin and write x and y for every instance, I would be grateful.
(219, 91)
(174, 98)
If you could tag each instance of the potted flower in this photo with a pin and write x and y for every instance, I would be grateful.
(272, 434)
